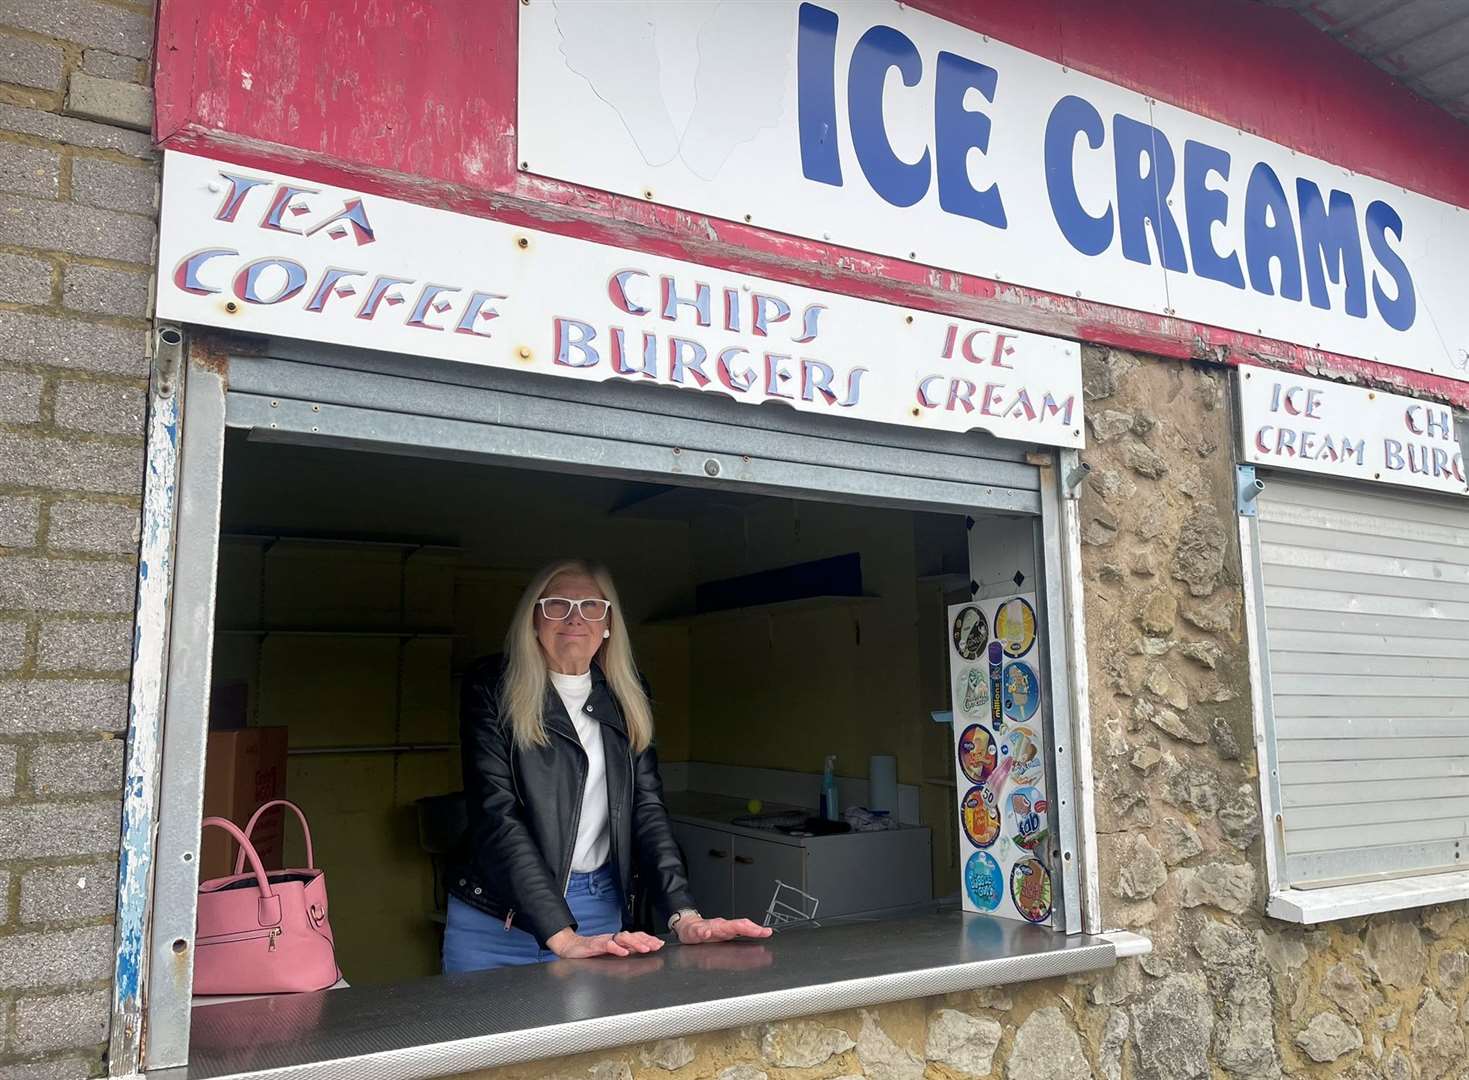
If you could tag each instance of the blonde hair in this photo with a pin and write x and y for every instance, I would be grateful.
(526, 680)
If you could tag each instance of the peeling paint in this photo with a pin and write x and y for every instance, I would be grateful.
(145, 712)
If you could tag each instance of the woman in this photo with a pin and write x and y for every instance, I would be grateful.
(562, 790)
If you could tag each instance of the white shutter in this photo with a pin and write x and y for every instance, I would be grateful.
(1367, 629)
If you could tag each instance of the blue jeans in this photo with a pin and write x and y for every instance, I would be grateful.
(474, 941)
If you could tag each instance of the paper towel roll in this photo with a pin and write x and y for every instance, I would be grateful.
(882, 783)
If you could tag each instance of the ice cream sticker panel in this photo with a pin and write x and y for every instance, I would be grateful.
(999, 748)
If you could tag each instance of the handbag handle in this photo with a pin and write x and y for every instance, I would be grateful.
(250, 831)
(247, 850)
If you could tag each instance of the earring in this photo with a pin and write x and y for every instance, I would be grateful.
(606, 633)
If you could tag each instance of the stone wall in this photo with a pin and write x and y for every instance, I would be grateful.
(1225, 993)
(77, 199)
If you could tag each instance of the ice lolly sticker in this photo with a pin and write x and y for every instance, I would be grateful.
(1020, 746)
(1022, 693)
(984, 881)
(971, 633)
(1025, 816)
(997, 715)
(996, 782)
(981, 816)
(976, 753)
(1015, 627)
(1030, 889)
(972, 691)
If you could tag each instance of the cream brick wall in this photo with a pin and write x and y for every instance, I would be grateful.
(77, 224)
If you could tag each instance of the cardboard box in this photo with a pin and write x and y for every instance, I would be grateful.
(243, 770)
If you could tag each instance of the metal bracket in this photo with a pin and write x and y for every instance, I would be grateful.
(1247, 488)
(1075, 472)
(168, 351)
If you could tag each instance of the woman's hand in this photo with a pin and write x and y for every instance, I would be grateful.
(698, 931)
(569, 945)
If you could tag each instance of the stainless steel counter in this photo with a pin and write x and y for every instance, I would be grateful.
(453, 1024)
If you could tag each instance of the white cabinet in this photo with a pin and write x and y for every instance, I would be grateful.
(709, 855)
(758, 865)
(733, 871)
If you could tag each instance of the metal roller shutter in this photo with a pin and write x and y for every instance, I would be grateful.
(396, 404)
(1366, 601)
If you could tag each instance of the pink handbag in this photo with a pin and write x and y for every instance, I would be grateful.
(263, 932)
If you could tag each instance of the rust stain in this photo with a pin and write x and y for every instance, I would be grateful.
(207, 352)
(212, 350)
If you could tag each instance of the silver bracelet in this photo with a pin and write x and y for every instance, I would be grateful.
(683, 913)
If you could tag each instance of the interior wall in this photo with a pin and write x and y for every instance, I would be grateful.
(359, 678)
(783, 691)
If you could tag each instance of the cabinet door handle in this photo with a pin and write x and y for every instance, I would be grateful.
(745, 860)
(715, 853)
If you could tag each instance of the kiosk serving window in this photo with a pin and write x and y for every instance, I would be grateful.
(355, 528)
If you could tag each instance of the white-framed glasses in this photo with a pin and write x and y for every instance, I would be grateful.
(559, 608)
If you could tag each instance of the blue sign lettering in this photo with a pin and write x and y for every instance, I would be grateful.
(900, 182)
(1140, 194)
(1329, 241)
(816, 51)
(1312, 248)
(1203, 207)
(1270, 235)
(957, 130)
(1400, 310)
(1071, 117)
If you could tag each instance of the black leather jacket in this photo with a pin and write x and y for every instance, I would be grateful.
(523, 806)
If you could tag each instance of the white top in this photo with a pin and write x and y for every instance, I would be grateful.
(593, 841)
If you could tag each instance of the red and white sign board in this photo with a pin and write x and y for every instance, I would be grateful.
(1312, 425)
(255, 251)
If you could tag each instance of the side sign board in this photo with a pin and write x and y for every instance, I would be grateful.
(257, 252)
(874, 126)
(1313, 425)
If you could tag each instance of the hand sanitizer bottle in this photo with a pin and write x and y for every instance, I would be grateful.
(830, 808)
